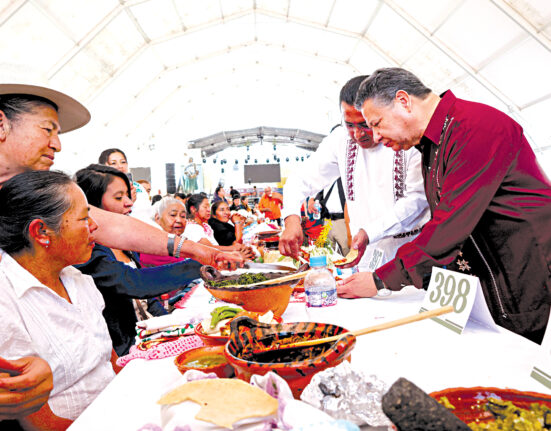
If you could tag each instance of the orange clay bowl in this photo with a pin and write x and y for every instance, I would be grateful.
(222, 370)
(210, 340)
(469, 402)
(260, 298)
(295, 366)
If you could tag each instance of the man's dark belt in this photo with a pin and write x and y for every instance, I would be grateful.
(406, 234)
(336, 216)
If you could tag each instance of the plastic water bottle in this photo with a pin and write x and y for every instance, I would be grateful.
(320, 289)
(164, 301)
(317, 215)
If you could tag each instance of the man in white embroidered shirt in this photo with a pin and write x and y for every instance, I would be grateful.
(384, 192)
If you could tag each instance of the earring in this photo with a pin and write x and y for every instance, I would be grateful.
(47, 242)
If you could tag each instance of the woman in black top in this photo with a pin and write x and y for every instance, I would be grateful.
(117, 273)
(224, 232)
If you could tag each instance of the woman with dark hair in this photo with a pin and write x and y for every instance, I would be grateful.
(236, 202)
(48, 308)
(245, 204)
(225, 232)
(199, 230)
(118, 273)
(117, 159)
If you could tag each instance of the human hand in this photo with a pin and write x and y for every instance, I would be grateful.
(247, 253)
(133, 194)
(213, 257)
(360, 242)
(291, 238)
(236, 218)
(26, 392)
(359, 285)
(244, 250)
(312, 209)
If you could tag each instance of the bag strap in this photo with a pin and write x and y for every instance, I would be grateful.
(342, 197)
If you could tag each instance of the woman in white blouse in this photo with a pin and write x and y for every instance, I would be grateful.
(48, 308)
(198, 229)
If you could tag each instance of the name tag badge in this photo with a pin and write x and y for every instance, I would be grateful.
(542, 369)
(464, 293)
(376, 259)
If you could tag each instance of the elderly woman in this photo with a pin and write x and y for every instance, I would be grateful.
(225, 233)
(170, 215)
(48, 308)
(118, 273)
(199, 230)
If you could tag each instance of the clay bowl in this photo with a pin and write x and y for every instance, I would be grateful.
(247, 334)
(210, 340)
(469, 402)
(222, 370)
(261, 298)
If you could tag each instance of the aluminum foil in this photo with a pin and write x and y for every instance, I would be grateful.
(346, 393)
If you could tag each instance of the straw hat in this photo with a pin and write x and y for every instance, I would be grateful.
(71, 114)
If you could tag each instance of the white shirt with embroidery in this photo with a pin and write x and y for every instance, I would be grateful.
(384, 192)
(196, 232)
(72, 337)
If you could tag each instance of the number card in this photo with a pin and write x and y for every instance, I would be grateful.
(542, 370)
(463, 292)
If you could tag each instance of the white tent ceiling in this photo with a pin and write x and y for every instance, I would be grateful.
(158, 73)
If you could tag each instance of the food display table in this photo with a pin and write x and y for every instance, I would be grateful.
(425, 352)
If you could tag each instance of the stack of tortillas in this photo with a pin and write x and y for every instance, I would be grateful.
(224, 401)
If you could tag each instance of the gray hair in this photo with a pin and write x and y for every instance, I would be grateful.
(383, 84)
(29, 196)
(160, 207)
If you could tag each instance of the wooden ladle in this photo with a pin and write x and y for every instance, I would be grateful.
(381, 327)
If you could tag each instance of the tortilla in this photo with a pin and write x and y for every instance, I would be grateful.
(349, 258)
(224, 401)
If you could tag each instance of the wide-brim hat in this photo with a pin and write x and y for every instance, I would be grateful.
(71, 113)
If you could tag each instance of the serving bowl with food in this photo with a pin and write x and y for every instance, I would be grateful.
(296, 366)
(252, 291)
(494, 408)
(208, 359)
(215, 329)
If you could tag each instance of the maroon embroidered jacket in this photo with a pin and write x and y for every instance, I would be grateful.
(491, 209)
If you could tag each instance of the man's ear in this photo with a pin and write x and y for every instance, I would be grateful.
(403, 99)
(5, 126)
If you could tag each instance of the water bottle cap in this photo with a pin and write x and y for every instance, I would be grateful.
(165, 296)
(316, 261)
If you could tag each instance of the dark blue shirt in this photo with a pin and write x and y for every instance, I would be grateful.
(120, 283)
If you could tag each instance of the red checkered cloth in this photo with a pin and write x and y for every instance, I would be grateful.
(162, 350)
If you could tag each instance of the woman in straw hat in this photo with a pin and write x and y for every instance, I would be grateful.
(31, 120)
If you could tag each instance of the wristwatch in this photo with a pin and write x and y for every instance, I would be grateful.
(379, 284)
(170, 244)
(179, 247)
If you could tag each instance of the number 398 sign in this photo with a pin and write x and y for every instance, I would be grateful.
(455, 289)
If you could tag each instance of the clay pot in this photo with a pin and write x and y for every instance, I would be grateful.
(248, 335)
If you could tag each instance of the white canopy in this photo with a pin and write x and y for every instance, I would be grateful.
(156, 74)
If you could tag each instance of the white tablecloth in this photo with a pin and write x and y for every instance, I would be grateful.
(426, 353)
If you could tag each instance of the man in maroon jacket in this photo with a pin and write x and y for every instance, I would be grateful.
(490, 201)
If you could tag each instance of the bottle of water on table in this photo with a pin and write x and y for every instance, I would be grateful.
(317, 205)
(321, 291)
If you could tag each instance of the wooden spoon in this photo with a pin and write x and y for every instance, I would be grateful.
(381, 327)
(283, 279)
